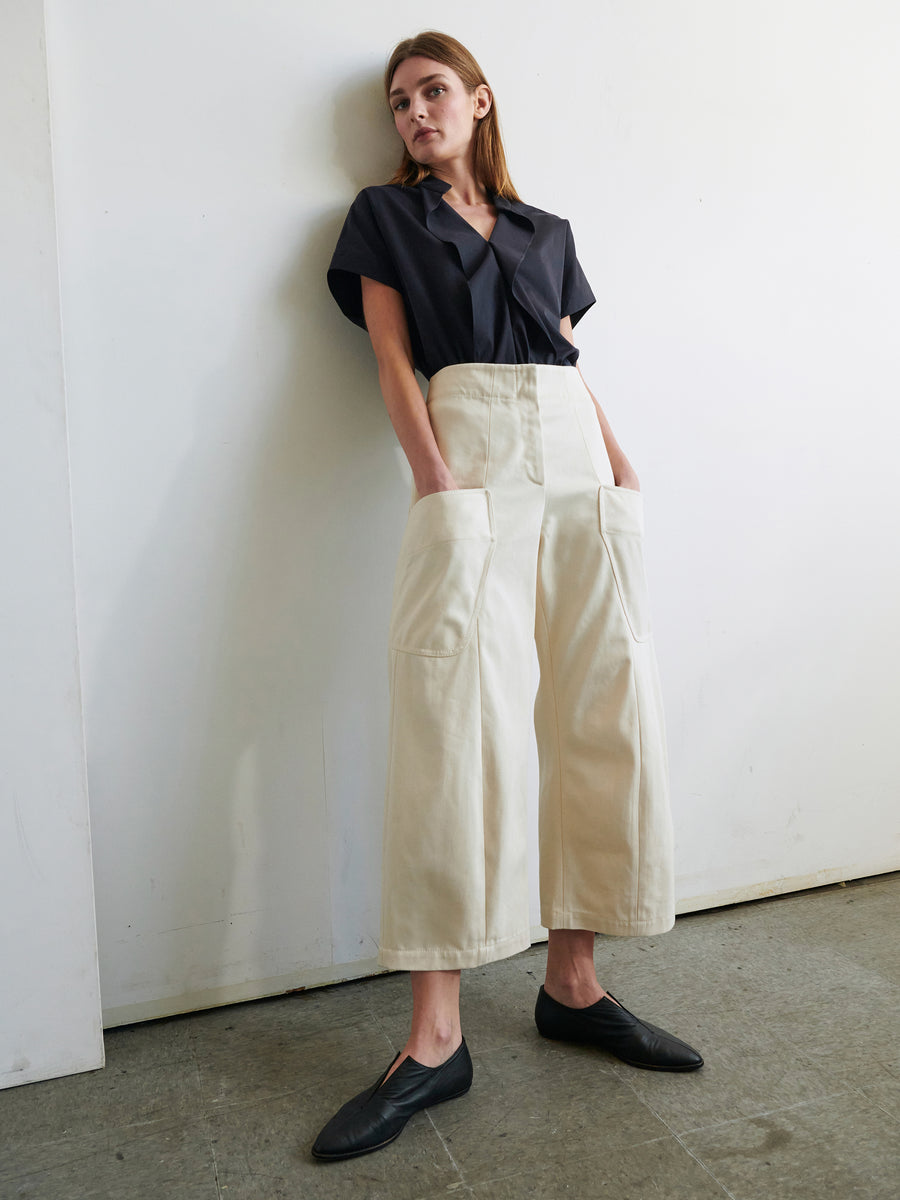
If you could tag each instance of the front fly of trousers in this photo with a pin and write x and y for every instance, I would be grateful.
(537, 545)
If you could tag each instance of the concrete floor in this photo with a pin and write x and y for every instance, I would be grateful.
(792, 1001)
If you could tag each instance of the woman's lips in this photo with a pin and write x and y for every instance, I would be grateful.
(420, 133)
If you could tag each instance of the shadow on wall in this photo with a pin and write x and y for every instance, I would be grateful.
(367, 148)
(246, 767)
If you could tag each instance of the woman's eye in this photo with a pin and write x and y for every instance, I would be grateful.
(436, 89)
(400, 104)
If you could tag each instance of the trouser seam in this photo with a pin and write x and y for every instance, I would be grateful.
(484, 865)
(638, 890)
(388, 788)
(552, 673)
(487, 461)
(487, 449)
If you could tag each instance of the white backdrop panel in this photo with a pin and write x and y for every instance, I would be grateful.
(239, 494)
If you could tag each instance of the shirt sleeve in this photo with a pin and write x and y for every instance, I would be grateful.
(361, 250)
(577, 296)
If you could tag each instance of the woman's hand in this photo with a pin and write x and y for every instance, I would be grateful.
(442, 482)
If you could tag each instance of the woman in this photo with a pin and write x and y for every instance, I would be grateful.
(524, 524)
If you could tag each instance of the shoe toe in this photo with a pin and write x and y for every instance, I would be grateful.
(358, 1131)
(661, 1049)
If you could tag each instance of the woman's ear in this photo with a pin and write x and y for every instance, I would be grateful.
(483, 101)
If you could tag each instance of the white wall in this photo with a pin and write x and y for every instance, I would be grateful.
(239, 494)
(49, 987)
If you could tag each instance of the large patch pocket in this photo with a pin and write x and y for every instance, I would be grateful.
(621, 512)
(442, 570)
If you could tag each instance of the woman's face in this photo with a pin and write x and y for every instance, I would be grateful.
(433, 111)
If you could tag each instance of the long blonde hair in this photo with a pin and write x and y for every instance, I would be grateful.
(490, 160)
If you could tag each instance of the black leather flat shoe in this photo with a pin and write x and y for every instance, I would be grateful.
(612, 1027)
(377, 1115)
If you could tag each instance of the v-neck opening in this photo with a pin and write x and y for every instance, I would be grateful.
(486, 240)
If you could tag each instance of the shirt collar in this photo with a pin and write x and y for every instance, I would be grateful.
(433, 184)
(510, 239)
(439, 186)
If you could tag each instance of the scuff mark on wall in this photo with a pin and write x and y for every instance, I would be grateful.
(23, 839)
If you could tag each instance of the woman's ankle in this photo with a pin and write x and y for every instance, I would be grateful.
(433, 1046)
(574, 991)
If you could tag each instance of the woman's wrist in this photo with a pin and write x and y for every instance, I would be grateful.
(624, 474)
(434, 480)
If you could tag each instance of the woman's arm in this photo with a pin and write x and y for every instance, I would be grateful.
(623, 472)
(386, 323)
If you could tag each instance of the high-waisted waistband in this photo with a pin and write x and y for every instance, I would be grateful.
(506, 423)
(505, 380)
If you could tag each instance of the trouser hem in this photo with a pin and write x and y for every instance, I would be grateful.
(439, 959)
(567, 919)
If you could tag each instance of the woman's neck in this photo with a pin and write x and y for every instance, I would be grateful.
(465, 188)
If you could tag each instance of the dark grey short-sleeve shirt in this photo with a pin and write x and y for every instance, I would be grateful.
(467, 299)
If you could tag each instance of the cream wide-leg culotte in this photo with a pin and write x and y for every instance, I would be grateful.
(537, 544)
